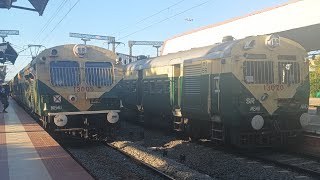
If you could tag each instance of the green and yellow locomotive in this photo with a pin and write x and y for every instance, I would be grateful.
(71, 89)
(248, 92)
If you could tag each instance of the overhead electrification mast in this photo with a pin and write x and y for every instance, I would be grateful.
(156, 44)
(88, 37)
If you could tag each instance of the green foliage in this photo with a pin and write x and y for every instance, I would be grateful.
(315, 78)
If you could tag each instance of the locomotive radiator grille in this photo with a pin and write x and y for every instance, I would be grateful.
(289, 73)
(258, 72)
(98, 74)
(65, 76)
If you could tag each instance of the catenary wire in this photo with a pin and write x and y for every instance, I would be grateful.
(54, 15)
(142, 20)
(142, 29)
(59, 21)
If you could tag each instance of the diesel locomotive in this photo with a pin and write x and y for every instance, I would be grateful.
(71, 89)
(248, 92)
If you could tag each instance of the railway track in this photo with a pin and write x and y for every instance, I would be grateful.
(154, 170)
(304, 160)
(233, 158)
(295, 162)
(105, 162)
(311, 144)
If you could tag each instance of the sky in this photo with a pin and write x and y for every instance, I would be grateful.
(139, 20)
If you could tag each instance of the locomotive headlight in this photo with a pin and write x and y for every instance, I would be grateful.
(304, 119)
(60, 120)
(112, 117)
(257, 122)
(72, 98)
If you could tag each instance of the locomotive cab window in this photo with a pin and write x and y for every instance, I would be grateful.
(98, 73)
(152, 86)
(159, 86)
(289, 72)
(64, 73)
(166, 86)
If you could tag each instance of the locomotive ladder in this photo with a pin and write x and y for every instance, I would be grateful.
(217, 132)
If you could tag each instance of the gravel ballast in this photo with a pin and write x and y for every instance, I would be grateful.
(106, 163)
(203, 159)
(170, 167)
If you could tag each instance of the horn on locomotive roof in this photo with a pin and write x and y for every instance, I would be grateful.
(227, 38)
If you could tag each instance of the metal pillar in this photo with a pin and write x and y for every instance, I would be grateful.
(157, 47)
(130, 49)
(156, 44)
(3, 38)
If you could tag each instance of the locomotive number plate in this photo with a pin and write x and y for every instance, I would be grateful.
(83, 89)
(273, 87)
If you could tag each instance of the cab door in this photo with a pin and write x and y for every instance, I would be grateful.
(139, 87)
(215, 88)
(175, 87)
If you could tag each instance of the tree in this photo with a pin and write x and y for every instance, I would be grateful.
(315, 77)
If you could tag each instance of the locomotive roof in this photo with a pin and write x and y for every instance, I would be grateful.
(68, 49)
(208, 52)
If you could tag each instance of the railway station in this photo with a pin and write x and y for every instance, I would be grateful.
(242, 104)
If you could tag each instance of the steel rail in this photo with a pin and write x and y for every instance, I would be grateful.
(295, 168)
(157, 171)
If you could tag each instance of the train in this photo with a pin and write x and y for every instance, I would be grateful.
(71, 89)
(251, 92)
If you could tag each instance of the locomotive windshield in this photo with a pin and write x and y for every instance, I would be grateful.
(258, 72)
(289, 72)
(98, 73)
(64, 73)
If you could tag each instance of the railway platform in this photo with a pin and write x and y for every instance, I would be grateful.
(314, 124)
(29, 152)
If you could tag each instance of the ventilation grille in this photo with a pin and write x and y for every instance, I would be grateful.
(192, 77)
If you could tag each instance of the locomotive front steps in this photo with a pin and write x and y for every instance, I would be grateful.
(217, 133)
